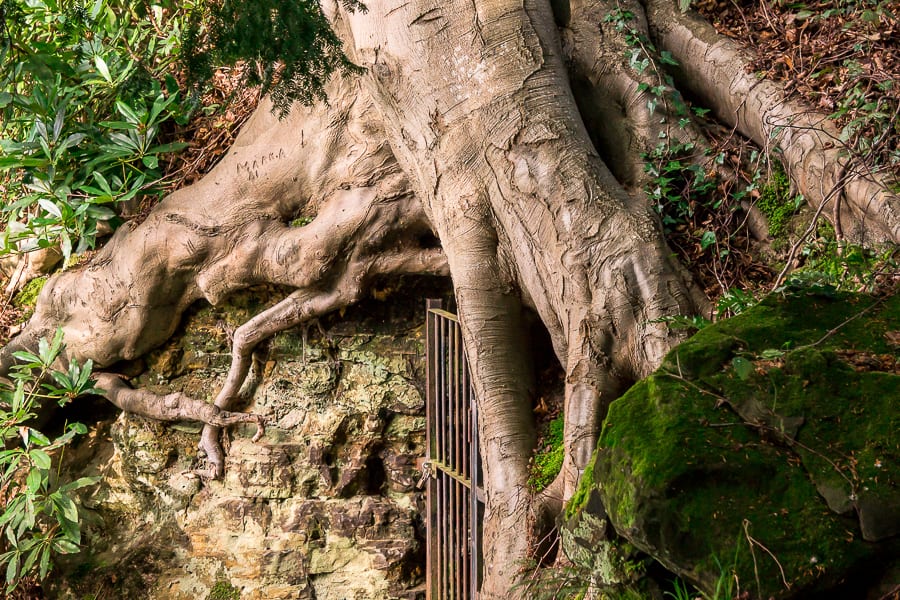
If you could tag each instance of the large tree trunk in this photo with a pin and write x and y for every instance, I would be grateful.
(479, 112)
(464, 127)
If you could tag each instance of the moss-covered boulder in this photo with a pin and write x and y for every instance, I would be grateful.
(763, 454)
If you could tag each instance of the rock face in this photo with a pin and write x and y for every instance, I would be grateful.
(762, 457)
(325, 506)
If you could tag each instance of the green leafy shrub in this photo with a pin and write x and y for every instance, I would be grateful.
(223, 590)
(290, 42)
(845, 267)
(86, 94)
(40, 517)
(733, 302)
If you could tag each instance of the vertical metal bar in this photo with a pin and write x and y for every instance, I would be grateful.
(466, 415)
(440, 391)
(459, 542)
(451, 542)
(464, 392)
(451, 538)
(476, 482)
(464, 489)
(430, 513)
(442, 424)
(456, 399)
(439, 540)
(464, 559)
(468, 512)
(456, 365)
(444, 428)
(454, 383)
(448, 556)
(461, 536)
(449, 391)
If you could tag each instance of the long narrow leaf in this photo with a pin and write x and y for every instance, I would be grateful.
(102, 68)
(79, 483)
(127, 112)
(45, 563)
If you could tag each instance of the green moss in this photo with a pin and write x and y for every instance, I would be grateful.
(776, 202)
(548, 460)
(223, 590)
(302, 221)
(27, 296)
(581, 495)
(704, 358)
(692, 463)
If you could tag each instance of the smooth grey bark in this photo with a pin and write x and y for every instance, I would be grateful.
(479, 112)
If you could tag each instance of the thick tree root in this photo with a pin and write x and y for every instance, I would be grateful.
(463, 128)
(615, 99)
(293, 310)
(715, 69)
(171, 407)
(234, 229)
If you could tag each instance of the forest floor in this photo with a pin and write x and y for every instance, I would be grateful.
(842, 59)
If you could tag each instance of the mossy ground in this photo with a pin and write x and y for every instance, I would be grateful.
(776, 202)
(708, 468)
(549, 458)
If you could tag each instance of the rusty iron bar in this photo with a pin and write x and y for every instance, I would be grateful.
(455, 499)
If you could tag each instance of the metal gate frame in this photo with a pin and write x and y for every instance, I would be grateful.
(455, 497)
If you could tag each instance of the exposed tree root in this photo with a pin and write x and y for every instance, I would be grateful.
(615, 99)
(171, 407)
(716, 70)
(232, 230)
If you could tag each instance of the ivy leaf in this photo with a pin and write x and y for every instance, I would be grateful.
(40, 459)
(708, 239)
(665, 57)
(742, 367)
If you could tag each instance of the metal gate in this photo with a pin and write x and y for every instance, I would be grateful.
(455, 498)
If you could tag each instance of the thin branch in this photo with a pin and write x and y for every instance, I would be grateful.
(837, 187)
(837, 328)
(753, 541)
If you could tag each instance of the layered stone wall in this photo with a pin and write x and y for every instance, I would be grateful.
(324, 506)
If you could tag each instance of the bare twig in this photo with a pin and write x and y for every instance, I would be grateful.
(835, 189)
(753, 541)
